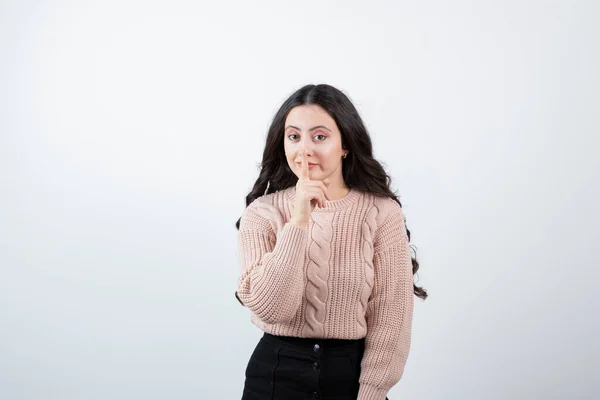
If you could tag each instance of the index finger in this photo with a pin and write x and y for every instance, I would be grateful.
(304, 167)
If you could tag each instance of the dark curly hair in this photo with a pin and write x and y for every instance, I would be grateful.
(359, 169)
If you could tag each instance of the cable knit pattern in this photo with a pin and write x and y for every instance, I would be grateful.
(347, 275)
(317, 273)
(369, 227)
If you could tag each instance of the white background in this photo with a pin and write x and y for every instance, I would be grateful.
(131, 131)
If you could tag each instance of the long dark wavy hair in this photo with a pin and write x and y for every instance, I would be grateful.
(359, 169)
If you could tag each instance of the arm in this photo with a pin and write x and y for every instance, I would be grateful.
(389, 311)
(271, 282)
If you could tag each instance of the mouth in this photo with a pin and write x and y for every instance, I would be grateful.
(310, 165)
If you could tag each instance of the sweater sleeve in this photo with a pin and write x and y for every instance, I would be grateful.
(389, 311)
(271, 283)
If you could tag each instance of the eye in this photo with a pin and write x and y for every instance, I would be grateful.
(292, 137)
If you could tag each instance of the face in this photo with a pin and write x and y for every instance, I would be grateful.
(310, 128)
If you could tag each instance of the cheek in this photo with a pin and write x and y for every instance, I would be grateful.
(327, 156)
(288, 152)
(291, 156)
(291, 161)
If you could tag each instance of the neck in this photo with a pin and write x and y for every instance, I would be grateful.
(337, 192)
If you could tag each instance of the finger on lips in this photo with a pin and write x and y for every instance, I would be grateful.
(305, 176)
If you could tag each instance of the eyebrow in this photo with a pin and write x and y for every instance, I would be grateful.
(310, 130)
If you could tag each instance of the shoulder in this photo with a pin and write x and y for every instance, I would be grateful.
(390, 226)
(264, 213)
(385, 207)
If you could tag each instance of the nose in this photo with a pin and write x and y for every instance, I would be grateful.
(306, 145)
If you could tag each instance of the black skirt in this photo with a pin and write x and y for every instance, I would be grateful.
(290, 368)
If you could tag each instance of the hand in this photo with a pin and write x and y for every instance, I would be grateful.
(309, 194)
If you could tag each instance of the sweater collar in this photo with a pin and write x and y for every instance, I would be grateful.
(330, 205)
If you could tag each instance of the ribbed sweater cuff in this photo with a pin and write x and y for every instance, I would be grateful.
(291, 243)
(370, 392)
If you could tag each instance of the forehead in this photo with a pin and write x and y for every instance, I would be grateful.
(307, 116)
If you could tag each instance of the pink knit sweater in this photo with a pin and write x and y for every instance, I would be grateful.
(347, 275)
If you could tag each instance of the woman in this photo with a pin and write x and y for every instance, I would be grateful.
(326, 265)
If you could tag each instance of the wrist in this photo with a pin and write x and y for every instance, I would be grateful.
(298, 223)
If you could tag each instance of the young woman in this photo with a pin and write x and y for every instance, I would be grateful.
(326, 266)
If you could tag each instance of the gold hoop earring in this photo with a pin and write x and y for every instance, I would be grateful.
(345, 154)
